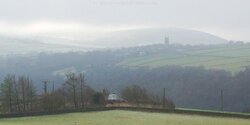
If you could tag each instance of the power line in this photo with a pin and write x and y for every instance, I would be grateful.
(164, 98)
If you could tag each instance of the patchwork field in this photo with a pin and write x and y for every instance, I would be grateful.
(118, 117)
(230, 58)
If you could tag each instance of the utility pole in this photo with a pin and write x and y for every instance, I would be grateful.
(221, 99)
(164, 98)
(53, 86)
(64, 99)
(82, 80)
(45, 86)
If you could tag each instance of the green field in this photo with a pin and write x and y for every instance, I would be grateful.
(232, 58)
(119, 117)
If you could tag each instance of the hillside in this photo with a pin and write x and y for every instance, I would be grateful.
(116, 39)
(147, 66)
(137, 37)
(14, 45)
(232, 58)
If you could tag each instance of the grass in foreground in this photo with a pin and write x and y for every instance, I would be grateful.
(118, 117)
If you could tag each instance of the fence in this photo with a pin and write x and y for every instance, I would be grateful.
(143, 109)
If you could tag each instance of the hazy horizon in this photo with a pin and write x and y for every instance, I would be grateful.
(73, 19)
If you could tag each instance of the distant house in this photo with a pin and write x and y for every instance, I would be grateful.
(114, 98)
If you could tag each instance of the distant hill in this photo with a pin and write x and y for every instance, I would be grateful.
(13, 45)
(156, 35)
(193, 75)
(125, 38)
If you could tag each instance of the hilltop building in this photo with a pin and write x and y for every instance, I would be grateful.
(166, 41)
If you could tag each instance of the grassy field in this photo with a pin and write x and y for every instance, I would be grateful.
(118, 117)
(230, 58)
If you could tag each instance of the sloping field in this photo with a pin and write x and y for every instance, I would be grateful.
(232, 58)
(119, 117)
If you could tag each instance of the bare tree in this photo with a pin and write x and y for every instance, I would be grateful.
(135, 94)
(26, 92)
(53, 101)
(7, 93)
(81, 80)
(17, 95)
(72, 83)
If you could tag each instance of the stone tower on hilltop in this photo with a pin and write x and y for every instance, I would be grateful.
(166, 41)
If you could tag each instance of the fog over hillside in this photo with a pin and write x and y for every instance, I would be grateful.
(14, 45)
(115, 39)
(156, 35)
(116, 43)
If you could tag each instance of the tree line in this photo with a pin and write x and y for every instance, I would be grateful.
(189, 87)
(18, 94)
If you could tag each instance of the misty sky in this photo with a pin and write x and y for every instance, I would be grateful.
(227, 18)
